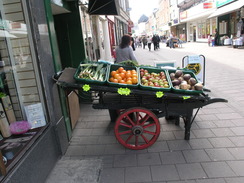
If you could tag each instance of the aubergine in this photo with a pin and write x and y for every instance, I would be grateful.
(186, 77)
(176, 82)
(192, 81)
(178, 73)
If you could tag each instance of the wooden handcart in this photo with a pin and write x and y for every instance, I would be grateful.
(136, 115)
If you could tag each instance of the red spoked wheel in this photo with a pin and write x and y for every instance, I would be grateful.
(137, 128)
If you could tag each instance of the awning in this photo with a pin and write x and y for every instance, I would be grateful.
(104, 7)
(228, 8)
(198, 16)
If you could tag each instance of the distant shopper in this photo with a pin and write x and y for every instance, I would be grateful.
(209, 40)
(216, 37)
(158, 41)
(132, 42)
(124, 51)
(213, 41)
(149, 42)
(155, 42)
(171, 40)
(144, 41)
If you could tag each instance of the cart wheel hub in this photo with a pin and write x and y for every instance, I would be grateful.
(137, 130)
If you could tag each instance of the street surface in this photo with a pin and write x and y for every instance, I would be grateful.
(214, 153)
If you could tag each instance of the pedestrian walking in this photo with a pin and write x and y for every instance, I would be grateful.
(209, 40)
(144, 41)
(137, 44)
(171, 40)
(216, 37)
(132, 42)
(158, 41)
(149, 42)
(155, 42)
(124, 51)
(213, 41)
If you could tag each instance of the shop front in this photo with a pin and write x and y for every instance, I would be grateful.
(24, 77)
(181, 31)
(35, 123)
(230, 21)
(198, 25)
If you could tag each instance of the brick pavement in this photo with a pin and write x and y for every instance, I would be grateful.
(214, 154)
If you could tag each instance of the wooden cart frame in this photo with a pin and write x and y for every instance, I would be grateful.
(136, 115)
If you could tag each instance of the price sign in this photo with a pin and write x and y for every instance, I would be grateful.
(35, 115)
(196, 63)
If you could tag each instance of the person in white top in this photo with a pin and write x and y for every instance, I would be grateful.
(149, 42)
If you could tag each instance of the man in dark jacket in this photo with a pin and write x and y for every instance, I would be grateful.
(155, 42)
(216, 37)
(132, 42)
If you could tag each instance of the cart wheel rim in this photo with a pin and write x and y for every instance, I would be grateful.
(137, 128)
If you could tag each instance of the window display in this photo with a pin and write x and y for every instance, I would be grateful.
(20, 84)
(202, 30)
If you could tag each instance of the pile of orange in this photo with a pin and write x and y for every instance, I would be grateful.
(124, 76)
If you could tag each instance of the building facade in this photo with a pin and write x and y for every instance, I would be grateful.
(195, 20)
(38, 39)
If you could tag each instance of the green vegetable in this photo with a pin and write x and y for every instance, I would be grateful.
(129, 63)
(92, 71)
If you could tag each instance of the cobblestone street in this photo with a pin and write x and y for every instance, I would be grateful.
(214, 153)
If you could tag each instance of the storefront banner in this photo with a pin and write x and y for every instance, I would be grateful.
(222, 2)
(183, 15)
(207, 5)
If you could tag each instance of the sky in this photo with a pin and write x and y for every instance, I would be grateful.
(140, 7)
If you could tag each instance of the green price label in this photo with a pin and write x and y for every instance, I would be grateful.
(186, 97)
(86, 87)
(124, 91)
(159, 94)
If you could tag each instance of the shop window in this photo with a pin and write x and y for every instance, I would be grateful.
(208, 27)
(223, 27)
(214, 25)
(21, 108)
(202, 30)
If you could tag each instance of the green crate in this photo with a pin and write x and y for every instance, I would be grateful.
(155, 70)
(90, 81)
(181, 91)
(114, 67)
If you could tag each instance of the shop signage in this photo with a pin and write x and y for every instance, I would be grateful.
(207, 5)
(183, 15)
(16, 25)
(222, 2)
(196, 64)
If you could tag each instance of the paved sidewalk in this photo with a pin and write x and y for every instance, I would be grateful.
(214, 154)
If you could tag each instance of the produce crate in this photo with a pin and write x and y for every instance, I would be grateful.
(181, 91)
(90, 81)
(114, 67)
(154, 88)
